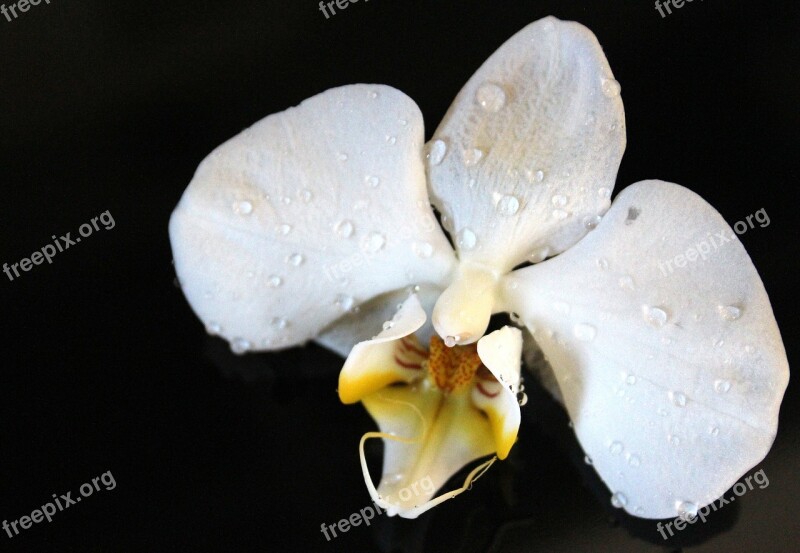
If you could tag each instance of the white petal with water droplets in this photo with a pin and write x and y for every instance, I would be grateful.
(541, 113)
(697, 415)
(306, 168)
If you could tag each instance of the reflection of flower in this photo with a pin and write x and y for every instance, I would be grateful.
(437, 408)
(673, 384)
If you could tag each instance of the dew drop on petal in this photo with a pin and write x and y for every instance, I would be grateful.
(507, 205)
(729, 312)
(615, 448)
(611, 87)
(451, 341)
(656, 316)
(306, 195)
(466, 239)
(344, 302)
(372, 181)
(687, 510)
(422, 249)
(591, 221)
(634, 460)
(279, 322)
(342, 156)
(490, 97)
(373, 242)
(275, 281)
(560, 214)
(626, 281)
(674, 440)
(619, 500)
(240, 346)
(285, 229)
(604, 193)
(388, 325)
(344, 229)
(602, 263)
(678, 399)
(295, 259)
(714, 431)
(587, 460)
(722, 386)
(539, 254)
(436, 152)
(214, 329)
(522, 399)
(559, 200)
(243, 207)
(630, 380)
(472, 156)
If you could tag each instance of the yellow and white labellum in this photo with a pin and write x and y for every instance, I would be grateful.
(438, 408)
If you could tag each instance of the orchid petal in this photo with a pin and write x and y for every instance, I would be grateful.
(665, 347)
(526, 157)
(500, 352)
(306, 215)
(387, 358)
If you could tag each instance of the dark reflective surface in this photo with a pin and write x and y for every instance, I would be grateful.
(111, 106)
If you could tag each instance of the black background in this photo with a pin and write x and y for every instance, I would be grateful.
(110, 105)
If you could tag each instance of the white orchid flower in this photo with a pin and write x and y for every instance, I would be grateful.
(312, 224)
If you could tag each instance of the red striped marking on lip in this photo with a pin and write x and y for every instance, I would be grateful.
(414, 366)
(482, 390)
(412, 347)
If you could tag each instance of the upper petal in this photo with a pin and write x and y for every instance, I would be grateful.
(526, 157)
(673, 373)
(307, 214)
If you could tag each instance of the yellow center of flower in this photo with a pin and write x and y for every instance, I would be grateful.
(452, 368)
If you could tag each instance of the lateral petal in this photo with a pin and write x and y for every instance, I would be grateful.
(665, 348)
(526, 157)
(306, 215)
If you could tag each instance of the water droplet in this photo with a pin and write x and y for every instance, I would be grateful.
(295, 259)
(602, 263)
(687, 510)
(674, 440)
(749, 349)
(279, 322)
(633, 213)
(243, 207)
(372, 181)
(388, 325)
(626, 281)
(619, 500)
(522, 399)
(662, 412)
(451, 341)
(587, 460)
(285, 229)
(214, 329)
(591, 221)
(559, 200)
(344, 229)
(344, 302)
(286, 200)
(490, 97)
(507, 205)
(584, 332)
(306, 195)
(436, 152)
(466, 239)
(630, 380)
(722, 386)
(634, 460)
(729, 312)
(714, 431)
(535, 176)
(373, 242)
(615, 448)
(654, 315)
(678, 399)
(342, 157)
(391, 140)
(539, 254)
(472, 156)
(611, 87)
(240, 346)
(423, 249)
(560, 214)
(604, 193)
(275, 281)
(372, 94)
